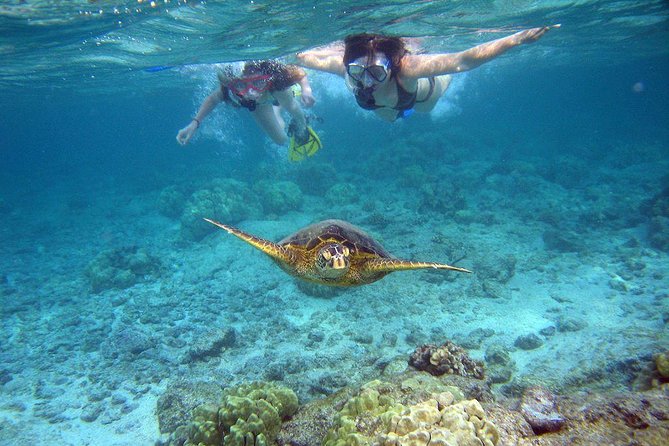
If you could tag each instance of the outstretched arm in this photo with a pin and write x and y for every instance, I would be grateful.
(426, 65)
(329, 58)
(186, 133)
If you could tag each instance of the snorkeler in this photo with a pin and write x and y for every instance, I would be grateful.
(386, 77)
(264, 88)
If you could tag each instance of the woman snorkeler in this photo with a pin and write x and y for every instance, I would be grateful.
(384, 76)
(264, 88)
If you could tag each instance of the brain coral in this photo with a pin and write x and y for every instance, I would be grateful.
(374, 418)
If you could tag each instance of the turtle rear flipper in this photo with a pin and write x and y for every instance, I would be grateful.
(390, 265)
(272, 249)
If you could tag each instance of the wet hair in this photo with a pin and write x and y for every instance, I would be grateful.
(368, 45)
(283, 76)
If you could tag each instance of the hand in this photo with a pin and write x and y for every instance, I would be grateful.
(533, 34)
(186, 133)
(307, 97)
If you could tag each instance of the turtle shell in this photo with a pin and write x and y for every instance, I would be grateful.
(354, 238)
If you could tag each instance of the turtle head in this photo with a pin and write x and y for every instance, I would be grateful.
(333, 260)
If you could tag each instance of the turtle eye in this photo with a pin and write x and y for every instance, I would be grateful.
(326, 255)
(346, 251)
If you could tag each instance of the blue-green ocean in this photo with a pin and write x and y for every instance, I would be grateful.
(544, 171)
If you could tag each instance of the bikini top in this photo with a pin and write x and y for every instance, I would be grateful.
(405, 100)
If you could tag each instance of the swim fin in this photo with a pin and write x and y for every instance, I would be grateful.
(299, 151)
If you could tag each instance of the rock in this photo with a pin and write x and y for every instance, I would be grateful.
(5, 377)
(132, 340)
(389, 339)
(562, 241)
(496, 267)
(448, 358)
(658, 233)
(528, 342)
(90, 412)
(316, 336)
(494, 290)
(617, 283)
(210, 344)
(474, 339)
(499, 365)
(175, 405)
(565, 324)
(363, 338)
(539, 408)
(548, 331)
(317, 290)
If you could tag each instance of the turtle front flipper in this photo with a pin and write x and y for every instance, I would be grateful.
(390, 265)
(272, 249)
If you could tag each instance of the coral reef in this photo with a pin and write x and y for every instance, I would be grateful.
(121, 268)
(662, 364)
(376, 417)
(316, 177)
(342, 193)
(225, 200)
(171, 202)
(413, 176)
(279, 197)
(415, 408)
(442, 197)
(447, 358)
(250, 414)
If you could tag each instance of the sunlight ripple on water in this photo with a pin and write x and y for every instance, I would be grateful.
(66, 42)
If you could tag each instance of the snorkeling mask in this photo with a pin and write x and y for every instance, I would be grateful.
(357, 72)
(258, 83)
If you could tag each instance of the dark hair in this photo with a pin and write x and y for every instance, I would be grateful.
(367, 45)
(283, 76)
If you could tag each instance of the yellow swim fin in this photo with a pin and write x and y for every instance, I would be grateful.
(298, 152)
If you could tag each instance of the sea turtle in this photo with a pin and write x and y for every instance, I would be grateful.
(332, 252)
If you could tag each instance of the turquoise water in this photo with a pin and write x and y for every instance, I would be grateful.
(544, 171)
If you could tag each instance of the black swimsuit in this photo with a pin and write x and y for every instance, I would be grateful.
(405, 100)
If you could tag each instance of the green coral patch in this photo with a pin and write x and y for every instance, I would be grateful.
(375, 417)
(250, 414)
